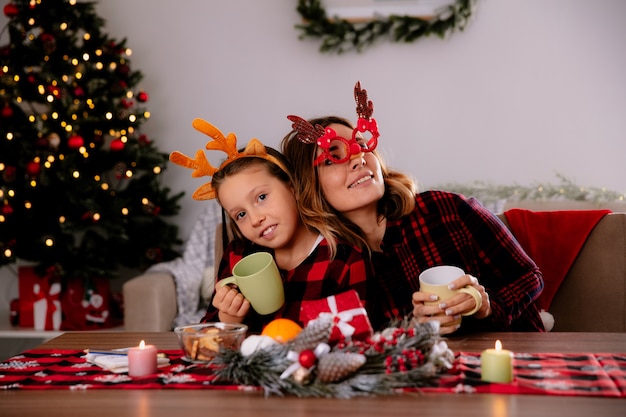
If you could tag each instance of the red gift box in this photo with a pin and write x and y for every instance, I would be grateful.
(39, 304)
(350, 320)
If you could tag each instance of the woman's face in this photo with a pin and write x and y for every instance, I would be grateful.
(262, 206)
(352, 186)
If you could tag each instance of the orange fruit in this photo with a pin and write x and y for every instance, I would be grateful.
(281, 330)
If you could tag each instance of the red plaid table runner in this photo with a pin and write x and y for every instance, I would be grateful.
(569, 374)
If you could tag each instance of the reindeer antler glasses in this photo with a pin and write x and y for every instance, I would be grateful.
(335, 148)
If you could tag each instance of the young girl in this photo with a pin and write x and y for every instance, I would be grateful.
(255, 189)
(338, 170)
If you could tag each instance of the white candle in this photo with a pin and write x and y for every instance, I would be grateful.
(497, 364)
(142, 360)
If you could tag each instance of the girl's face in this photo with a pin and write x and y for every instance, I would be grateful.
(262, 206)
(354, 185)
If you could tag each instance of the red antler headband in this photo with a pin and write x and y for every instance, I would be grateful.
(327, 138)
(228, 144)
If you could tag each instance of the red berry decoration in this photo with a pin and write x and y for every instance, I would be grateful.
(75, 142)
(307, 358)
(142, 97)
(10, 10)
(117, 145)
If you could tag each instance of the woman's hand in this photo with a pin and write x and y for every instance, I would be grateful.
(468, 303)
(231, 304)
(448, 312)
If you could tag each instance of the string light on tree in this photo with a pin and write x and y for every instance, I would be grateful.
(71, 142)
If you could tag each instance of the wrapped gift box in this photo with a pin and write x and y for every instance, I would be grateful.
(350, 320)
(39, 300)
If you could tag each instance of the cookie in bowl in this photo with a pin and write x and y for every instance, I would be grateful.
(201, 342)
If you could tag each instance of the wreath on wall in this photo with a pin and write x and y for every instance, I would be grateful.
(340, 35)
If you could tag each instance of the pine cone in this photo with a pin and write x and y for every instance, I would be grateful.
(315, 332)
(338, 365)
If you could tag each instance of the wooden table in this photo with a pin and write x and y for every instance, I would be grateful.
(190, 403)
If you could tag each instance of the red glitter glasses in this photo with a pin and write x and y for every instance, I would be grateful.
(337, 149)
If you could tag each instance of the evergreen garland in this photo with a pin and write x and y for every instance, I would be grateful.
(401, 356)
(566, 189)
(340, 35)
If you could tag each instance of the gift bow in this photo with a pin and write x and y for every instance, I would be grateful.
(54, 294)
(342, 319)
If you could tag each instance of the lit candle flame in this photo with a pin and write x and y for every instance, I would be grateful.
(498, 345)
(142, 344)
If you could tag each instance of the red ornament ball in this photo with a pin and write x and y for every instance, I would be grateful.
(117, 145)
(33, 168)
(75, 142)
(142, 97)
(10, 10)
(7, 111)
(307, 358)
(7, 210)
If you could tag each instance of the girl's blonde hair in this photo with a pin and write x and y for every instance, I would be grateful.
(397, 201)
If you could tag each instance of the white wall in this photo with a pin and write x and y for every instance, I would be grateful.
(530, 89)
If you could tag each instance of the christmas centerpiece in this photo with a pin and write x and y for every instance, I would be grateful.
(310, 364)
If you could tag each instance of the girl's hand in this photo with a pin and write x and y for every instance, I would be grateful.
(231, 304)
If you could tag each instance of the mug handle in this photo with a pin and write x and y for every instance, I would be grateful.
(475, 295)
(227, 281)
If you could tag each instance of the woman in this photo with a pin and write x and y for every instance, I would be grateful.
(338, 171)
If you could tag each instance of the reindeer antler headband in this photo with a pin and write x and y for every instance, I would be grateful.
(334, 147)
(227, 144)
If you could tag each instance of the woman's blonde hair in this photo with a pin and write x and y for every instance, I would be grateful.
(397, 201)
(276, 171)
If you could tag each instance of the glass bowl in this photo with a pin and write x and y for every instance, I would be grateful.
(201, 342)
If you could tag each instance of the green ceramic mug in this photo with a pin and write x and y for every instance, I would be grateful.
(258, 279)
(435, 280)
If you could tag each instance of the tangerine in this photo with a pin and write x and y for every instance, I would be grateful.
(281, 330)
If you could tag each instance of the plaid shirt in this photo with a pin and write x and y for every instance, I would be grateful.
(315, 278)
(447, 228)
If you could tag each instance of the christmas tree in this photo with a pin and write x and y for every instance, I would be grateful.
(80, 190)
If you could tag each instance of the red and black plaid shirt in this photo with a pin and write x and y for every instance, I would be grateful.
(447, 228)
(315, 278)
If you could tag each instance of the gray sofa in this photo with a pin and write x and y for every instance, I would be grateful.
(591, 298)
